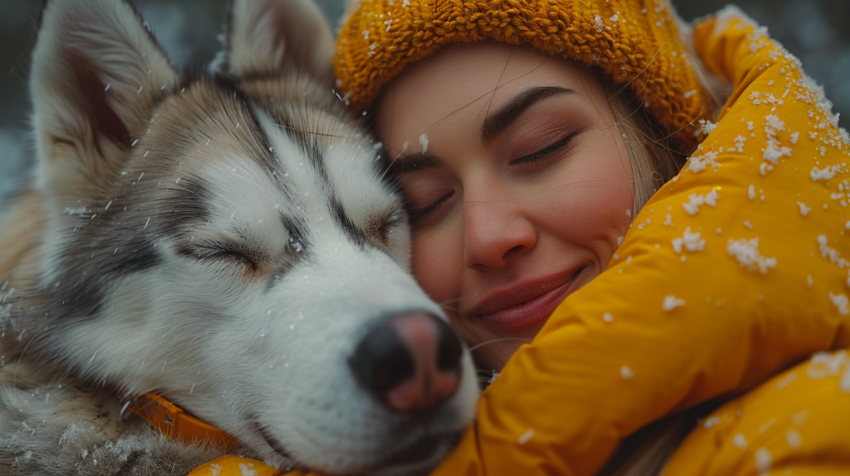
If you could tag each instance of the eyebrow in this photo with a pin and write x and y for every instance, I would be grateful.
(408, 163)
(493, 125)
(497, 122)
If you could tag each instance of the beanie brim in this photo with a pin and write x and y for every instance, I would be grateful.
(634, 42)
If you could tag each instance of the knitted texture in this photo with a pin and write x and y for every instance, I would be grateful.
(632, 41)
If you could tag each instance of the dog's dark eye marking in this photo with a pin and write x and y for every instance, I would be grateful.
(305, 141)
(82, 298)
(296, 233)
(136, 256)
(355, 234)
(80, 294)
(262, 150)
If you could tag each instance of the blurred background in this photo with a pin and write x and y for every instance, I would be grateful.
(816, 31)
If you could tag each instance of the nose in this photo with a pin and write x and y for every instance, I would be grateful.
(495, 231)
(410, 362)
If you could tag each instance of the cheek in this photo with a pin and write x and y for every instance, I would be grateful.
(437, 266)
(593, 202)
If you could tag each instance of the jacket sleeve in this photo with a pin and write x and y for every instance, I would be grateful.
(734, 270)
(795, 423)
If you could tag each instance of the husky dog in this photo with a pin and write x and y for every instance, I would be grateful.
(226, 241)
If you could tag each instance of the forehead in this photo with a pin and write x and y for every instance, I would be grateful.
(208, 127)
(201, 124)
(272, 147)
(463, 82)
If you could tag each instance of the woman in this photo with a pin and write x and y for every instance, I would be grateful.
(529, 183)
(515, 166)
(526, 170)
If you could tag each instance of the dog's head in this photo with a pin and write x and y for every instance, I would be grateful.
(229, 241)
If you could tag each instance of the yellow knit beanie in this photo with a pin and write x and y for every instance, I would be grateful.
(635, 41)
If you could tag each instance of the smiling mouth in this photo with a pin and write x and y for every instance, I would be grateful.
(522, 307)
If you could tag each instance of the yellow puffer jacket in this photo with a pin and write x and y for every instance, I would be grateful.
(732, 276)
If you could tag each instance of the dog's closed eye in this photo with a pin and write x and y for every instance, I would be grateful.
(236, 257)
(219, 252)
(381, 226)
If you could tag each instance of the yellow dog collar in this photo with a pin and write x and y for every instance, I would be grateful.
(174, 423)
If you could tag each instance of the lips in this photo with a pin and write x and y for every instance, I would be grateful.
(528, 303)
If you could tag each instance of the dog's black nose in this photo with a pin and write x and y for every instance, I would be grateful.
(411, 362)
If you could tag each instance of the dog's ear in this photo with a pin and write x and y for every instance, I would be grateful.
(264, 36)
(97, 73)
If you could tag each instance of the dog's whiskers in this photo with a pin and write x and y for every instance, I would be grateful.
(302, 131)
(500, 339)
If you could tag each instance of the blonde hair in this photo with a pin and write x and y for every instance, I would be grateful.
(652, 159)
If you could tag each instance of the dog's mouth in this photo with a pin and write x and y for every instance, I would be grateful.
(271, 441)
(417, 458)
(419, 451)
(421, 456)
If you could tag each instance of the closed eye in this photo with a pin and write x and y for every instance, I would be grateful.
(540, 155)
(417, 214)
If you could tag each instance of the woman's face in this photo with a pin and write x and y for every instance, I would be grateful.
(518, 181)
